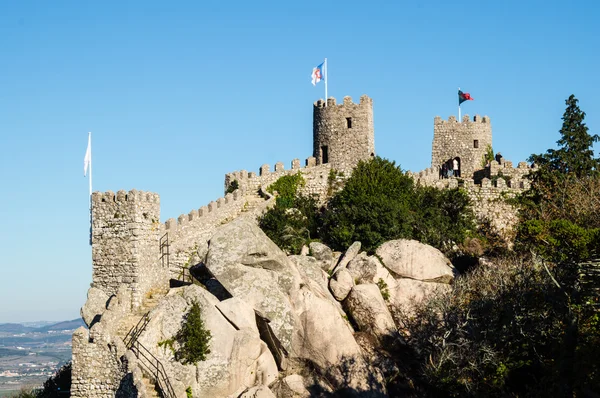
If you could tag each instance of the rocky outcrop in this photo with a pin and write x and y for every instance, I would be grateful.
(415, 260)
(251, 267)
(238, 359)
(94, 307)
(370, 312)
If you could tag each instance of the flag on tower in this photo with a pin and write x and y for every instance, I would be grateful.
(87, 160)
(317, 74)
(462, 97)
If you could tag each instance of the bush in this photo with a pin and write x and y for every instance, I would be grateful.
(193, 338)
(500, 332)
(380, 202)
(233, 186)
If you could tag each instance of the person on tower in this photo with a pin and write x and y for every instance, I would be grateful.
(455, 168)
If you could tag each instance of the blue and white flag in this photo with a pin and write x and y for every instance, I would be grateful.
(317, 74)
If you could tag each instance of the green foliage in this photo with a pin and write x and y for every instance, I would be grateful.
(488, 156)
(379, 202)
(291, 223)
(233, 186)
(383, 288)
(287, 188)
(193, 338)
(334, 182)
(188, 392)
(374, 206)
(561, 211)
(500, 332)
(560, 240)
(575, 154)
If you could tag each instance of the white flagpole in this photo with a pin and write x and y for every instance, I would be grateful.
(90, 141)
(326, 80)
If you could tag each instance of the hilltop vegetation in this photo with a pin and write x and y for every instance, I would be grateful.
(525, 321)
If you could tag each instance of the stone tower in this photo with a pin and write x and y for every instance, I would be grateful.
(465, 141)
(343, 134)
(125, 243)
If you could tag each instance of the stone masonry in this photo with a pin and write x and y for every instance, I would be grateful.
(343, 134)
(126, 228)
(125, 233)
(466, 141)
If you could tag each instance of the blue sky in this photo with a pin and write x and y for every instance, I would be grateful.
(176, 94)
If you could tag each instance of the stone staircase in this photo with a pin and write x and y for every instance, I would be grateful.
(131, 320)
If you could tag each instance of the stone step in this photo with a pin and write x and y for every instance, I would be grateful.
(150, 387)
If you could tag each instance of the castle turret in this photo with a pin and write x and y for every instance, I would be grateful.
(465, 141)
(125, 242)
(343, 134)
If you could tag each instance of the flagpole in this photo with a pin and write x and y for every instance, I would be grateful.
(326, 80)
(90, 141)
(91, 217)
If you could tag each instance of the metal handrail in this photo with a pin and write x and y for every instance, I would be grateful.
(155, 368)
(135, 331)
(147, 359)
(164, 249)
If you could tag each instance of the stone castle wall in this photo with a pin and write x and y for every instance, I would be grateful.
(345, 130)
(467, 140)
(497, 182)
(97, 371)
(125, 233)
(316, 177)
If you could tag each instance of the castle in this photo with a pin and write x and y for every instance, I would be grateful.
(134, 253)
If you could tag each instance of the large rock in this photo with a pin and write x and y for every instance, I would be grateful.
(322, 253)
(296, 386)
(251, 267)
(340, 283)
(326, 341)
(409, 292)
(369, 311)
(415, 260)
(258, 392)
(363, 268)
(238, 359)
(94, 307)
(350, 253)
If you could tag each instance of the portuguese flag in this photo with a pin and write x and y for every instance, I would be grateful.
(462, 97)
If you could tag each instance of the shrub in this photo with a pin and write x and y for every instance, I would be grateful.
(193, 338)
(379, 202)
(233, 186)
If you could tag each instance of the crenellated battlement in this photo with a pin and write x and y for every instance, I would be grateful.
(221, 208)
(331, 101)
(123, 196)
(465, 119)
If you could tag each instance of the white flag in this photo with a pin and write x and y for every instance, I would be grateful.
(88, 155)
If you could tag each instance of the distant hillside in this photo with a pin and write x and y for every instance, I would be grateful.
(65, 325)
(14, 328)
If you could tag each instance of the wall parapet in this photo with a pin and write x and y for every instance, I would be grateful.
(465, 119)
(251, 182)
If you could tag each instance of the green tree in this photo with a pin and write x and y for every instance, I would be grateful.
(575, 153)
(194, 338)
(375, 205)
(379, 202)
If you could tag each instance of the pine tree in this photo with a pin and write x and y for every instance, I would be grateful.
(575, 153)
(194, 337)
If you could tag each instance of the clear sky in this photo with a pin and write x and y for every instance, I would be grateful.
(178, 93)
